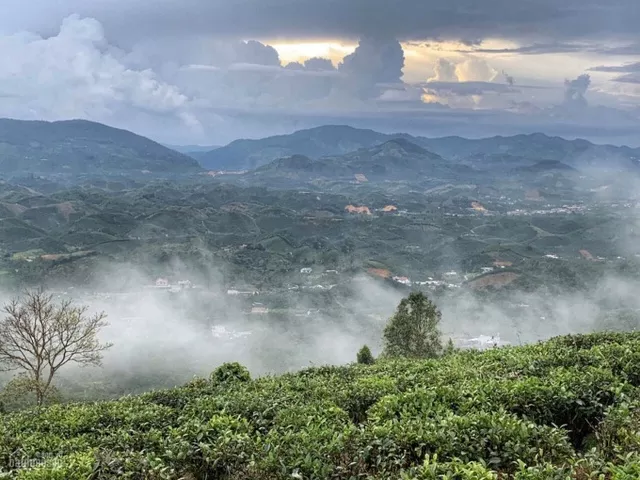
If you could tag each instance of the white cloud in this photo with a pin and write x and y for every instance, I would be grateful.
(73, 75)
(475, 70)
(444, 71)
(467, 84)
(472, 69)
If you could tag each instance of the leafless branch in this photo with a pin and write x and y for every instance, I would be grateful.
(39, 337)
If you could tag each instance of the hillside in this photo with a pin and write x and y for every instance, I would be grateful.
(264, 235)
(192, 149)
(564, 409)
(393, 160)
(78, 147)
(314, 143)
(544, 166)
(537, 146)
(333, 140)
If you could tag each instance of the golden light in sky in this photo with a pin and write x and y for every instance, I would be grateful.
(299, 52)
(421, 58)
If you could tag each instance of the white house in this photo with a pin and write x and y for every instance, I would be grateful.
(402, 280)
(162, 283)
(306, 270)
(238, 292)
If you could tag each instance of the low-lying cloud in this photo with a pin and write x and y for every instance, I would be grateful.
(164, 339)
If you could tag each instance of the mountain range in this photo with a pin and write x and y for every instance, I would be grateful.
(337, 140)
(79, 147)
(396, 159)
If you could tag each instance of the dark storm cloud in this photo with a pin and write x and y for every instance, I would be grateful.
(313, 66)
(629, 78)
(630, 49)
(258, 53)
(538, 49)
(575, 90)
(559, 47)
(628, 68)
(375, 61)
(319, 64)
(468, 20)
(508, 78)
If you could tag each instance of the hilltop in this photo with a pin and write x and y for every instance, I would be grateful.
(77, 147)
(314, 143)
(336, 140)
(566, 408)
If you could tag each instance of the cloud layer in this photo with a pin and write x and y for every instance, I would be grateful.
(72, 75)
(200, 86)
(175, 86)
(468, 20)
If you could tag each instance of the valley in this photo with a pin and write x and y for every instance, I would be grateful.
(309, 235)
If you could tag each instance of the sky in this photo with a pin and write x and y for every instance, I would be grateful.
(210, 71)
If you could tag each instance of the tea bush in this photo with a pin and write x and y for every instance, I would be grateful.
(230, 372)
(563, 409)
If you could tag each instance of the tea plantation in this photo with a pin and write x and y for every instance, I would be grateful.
(563, 409)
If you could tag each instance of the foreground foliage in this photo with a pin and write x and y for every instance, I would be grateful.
(563, 409)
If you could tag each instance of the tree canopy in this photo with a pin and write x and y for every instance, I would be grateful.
(413, 330)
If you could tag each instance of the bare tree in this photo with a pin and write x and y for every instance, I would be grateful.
(39, 337)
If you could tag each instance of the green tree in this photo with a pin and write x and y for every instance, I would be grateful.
(413, 329)
(38, 338)
(450, 348)
(365, 357)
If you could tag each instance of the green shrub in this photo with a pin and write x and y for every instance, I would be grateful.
(75, 466)
(175, 398)
(365, 357)
(498, 439)
(579, 342)
(558, 410)
(456, 469)
(130, 465)
(420, 403)
(307, 440)
(230, 372)
(576, 399)
(220, 446)
(619, 432)
(357, 397)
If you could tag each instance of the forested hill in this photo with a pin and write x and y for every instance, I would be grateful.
(82, 147)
